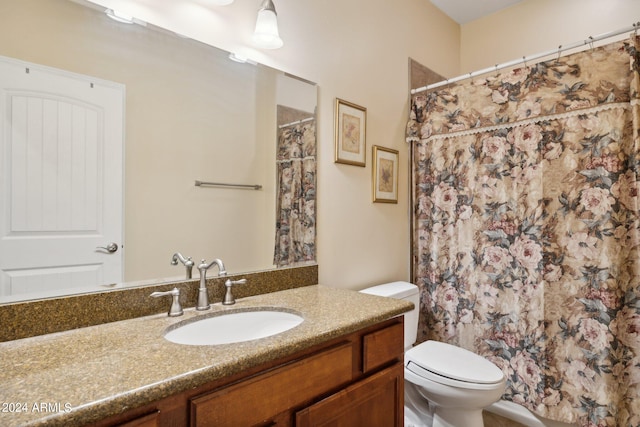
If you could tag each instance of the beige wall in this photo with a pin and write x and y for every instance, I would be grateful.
(535, 26)
(359, 52)
(356, 50)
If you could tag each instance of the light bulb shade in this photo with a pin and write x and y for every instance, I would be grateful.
(266, 33)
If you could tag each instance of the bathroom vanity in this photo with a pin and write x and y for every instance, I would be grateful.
(342, 363)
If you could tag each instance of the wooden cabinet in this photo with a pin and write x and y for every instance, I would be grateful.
(376, 401)
(149, 420)
(381, 346)
(257, 400)
(353, 380)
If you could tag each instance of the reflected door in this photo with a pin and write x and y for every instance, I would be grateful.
(60, 180)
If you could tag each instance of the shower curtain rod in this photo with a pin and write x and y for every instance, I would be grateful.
(297, 122)
(635, 27)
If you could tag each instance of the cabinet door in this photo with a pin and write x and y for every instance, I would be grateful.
(377, 401)
(150, 420)
(255, 401)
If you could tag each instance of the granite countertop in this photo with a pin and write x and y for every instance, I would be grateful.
(83, 375)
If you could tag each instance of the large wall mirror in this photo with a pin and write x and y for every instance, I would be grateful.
(190, 114)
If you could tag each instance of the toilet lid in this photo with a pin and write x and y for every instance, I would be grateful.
(454, 362)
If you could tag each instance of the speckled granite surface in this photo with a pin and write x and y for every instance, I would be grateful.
(31, 318)
(97, 371)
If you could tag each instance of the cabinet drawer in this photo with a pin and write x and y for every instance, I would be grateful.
(257, 399)
(383, 346)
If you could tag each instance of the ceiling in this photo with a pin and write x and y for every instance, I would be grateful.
(463, 11)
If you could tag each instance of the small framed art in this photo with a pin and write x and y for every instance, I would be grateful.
(350, 133)
(385, 175)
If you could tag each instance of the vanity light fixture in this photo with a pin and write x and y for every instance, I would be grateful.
(236, 57)
(118, 16)
(123, 18)
(266, 33)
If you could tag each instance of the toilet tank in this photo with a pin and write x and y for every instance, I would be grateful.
(405, 291)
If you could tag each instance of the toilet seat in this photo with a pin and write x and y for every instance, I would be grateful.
(451, 365)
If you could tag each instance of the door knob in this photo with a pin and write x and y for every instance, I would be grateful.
(111, 247)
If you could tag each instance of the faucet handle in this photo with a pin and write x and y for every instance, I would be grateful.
(176, 308)
(228, 296)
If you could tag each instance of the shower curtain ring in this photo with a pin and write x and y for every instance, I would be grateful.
(524, 61)
(591, 42)
(559, 50)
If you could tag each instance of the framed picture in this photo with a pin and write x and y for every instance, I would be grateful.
(385, 175)
(350, 133)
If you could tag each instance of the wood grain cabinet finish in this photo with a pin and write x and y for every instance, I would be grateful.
(351, 381)
(382, 346)
(376, 401)
(257, 400)
(149, 420)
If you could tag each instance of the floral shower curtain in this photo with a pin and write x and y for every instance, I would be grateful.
(526, 229)
(295, 241)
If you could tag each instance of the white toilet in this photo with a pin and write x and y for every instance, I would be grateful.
(445, 385)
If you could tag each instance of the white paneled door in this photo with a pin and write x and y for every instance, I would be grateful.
(60, 181)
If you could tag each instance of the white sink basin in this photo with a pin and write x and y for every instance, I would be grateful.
(238, 326)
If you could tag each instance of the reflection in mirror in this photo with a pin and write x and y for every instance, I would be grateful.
(188, 113)
(296, 187)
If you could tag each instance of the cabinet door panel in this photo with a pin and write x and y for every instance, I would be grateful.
(383, 346)
(150, 420)
(377, 401)
(255, 401)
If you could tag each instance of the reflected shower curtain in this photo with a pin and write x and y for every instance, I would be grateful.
(295, 241)
(526, 230)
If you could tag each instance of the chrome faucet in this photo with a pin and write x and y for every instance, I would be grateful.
(203, 297)
(188, 264)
